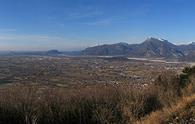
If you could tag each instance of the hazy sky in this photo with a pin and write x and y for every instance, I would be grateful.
(76, 24)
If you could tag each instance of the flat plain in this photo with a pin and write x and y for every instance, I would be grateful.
(81, 71)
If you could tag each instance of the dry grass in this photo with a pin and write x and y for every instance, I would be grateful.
(182, 112)
(97, 104)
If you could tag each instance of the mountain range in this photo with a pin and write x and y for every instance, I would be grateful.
(150, 48)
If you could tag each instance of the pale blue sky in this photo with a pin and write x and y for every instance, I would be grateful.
(76, 24)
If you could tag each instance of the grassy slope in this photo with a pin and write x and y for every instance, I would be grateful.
(182, 112)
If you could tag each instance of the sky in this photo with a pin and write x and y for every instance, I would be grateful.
(67, 25)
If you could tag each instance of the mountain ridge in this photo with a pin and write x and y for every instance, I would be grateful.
(151, 47)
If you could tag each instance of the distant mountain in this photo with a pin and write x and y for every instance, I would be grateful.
(57, 53)
(189, 57)
(113, 49)
(151, 47)
(53, 52)
(187, 49)
(38, 53)
(41, 53)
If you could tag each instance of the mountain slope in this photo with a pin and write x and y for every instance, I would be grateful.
(190, 57)
(114, 49)
(151, 47)
(158, 48)
(187, 49)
